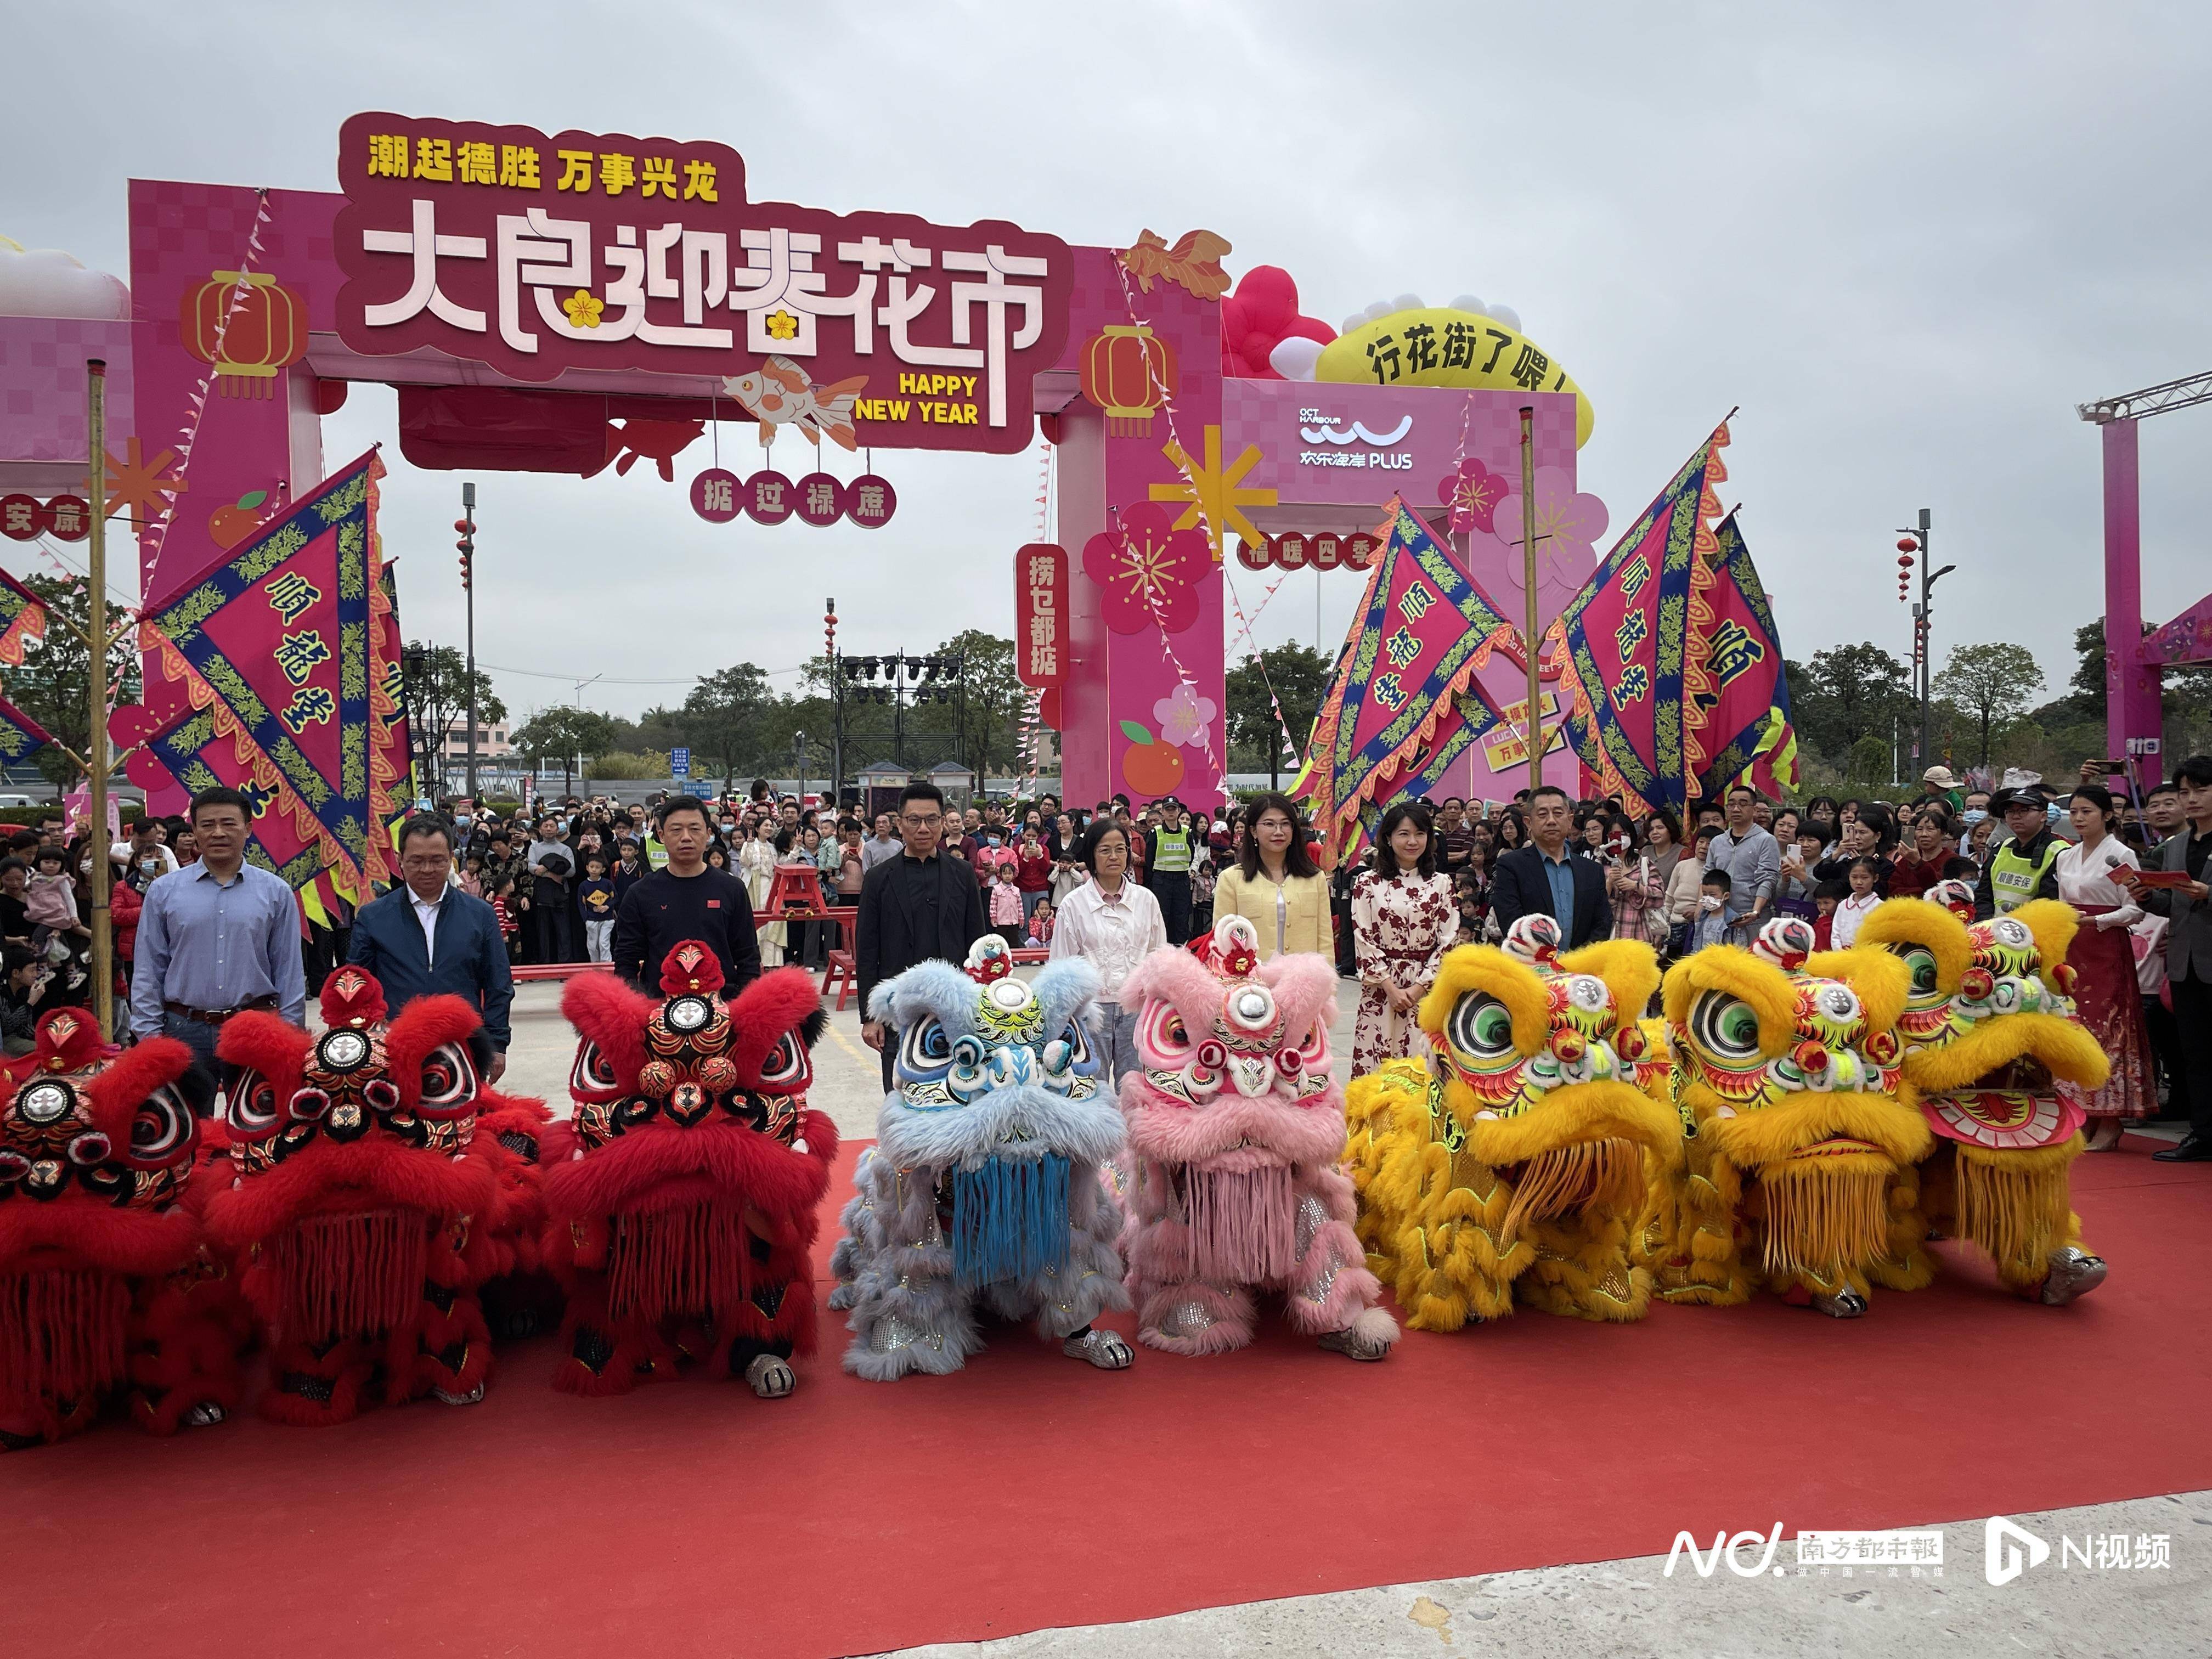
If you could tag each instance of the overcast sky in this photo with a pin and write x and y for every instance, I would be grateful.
(1906, 239)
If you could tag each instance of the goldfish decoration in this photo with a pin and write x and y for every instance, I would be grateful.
(1193, 263)
(629, 442)
(780, 393)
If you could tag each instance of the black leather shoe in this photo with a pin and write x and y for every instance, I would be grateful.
(2191, 1149)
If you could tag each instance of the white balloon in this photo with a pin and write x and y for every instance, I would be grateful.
(1407, 302)
(1469, 302)
(1380, 308)
(1294, 358)
(1357, 320)
(1508, 316)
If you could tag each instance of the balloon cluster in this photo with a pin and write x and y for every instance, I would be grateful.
(1260, 320)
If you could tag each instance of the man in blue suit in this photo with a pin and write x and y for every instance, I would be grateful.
(1545, 878)
(426, 937)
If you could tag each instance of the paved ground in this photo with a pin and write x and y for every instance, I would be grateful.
(1626, 1609)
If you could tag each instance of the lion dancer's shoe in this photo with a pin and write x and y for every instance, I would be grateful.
(1996, 1061)
(1799, 1172)
(108, 1287)
(363, 1205)
(681, 1198)
(1236, 1126)
(985, 1192)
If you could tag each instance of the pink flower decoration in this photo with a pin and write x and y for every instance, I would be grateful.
(1569, 524)
(1472, 493)
(1147, 571)
(1184, 716)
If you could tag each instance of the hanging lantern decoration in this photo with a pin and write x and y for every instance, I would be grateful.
(267, 331)
(1128, 372)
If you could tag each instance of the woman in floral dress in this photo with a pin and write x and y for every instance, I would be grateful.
(1403, 920)
(2105, 993)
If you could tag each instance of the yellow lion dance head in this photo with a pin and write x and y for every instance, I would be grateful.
(1995, 1059)
(1518, 1156)
(1785, 1064)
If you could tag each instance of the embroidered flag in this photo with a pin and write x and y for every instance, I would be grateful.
(21, 737)
(1635, 692)
(22, 619)
(282, 647)
(1404, 683)
(1747, 728)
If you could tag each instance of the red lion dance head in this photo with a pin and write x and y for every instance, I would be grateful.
(681, 1198)
(368, 1202)
(105, 1286)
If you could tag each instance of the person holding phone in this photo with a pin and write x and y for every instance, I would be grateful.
(2187, 905)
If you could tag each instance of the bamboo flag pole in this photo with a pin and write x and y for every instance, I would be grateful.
(95, 742)
(1533, 726)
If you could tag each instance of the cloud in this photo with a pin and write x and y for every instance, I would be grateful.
(45, 282)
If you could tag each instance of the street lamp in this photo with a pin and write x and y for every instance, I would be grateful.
(1910, 543)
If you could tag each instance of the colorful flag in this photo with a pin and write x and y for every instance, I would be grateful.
(1748, 729)
(1636, 693)
(1401, 692)
(21, 737)
(22, 618)
(282, 647)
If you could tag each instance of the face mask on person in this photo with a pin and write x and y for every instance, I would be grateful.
(1709, 901)
(1974, 815)
(149, 865)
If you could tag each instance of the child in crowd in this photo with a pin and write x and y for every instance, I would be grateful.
(50, 897)
(472, 877)
(1865, 878)
(507, 914)
(630, 869)
(1003, 900)
(1040, 934)
(1201, 897)
(595, 902)
(1711, 925)
(1825, 897)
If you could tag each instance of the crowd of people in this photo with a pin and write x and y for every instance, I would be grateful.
(600, 881)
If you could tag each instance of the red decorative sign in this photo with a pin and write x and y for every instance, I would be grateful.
(769, 497)
(1041, 615)
(245, 327)
(23, 518)
(869, 502)
(1294, 550)
(69, 518)
(819, 500)
(717, 494)
(537, 255)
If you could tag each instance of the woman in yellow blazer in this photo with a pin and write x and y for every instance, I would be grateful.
(1276, 883)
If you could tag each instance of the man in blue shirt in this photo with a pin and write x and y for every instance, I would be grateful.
(1545, 877)
(216, 937)
(426, 938)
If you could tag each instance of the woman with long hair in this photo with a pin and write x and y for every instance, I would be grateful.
(1276, 883)
(1636, 881)
(2105, 993)
(756, 866)
(1403, 920)
(1512, 829)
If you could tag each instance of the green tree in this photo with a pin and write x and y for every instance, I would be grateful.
(563, 732)
(725, 718)
(54, 685)
(1299, 674)
(627, 763)
(438, 688)
(1844, 694)
(1989, 682)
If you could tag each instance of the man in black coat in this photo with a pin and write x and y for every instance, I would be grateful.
(919, 907)
(1545, 878)
(687, 900)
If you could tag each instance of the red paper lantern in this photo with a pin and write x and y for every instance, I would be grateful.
(1128, 372)
(1908, 544)
(267, 331)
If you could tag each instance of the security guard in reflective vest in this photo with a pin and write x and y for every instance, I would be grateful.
(2025, 865)
(1170, 851)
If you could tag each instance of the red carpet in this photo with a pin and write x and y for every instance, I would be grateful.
(1030, 1491)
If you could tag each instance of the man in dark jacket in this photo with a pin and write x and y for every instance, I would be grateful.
(686, 899)
(1545, 878)
(921, 906)
(426, 938)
